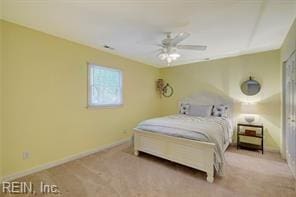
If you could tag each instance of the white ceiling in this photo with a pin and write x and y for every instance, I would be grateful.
(135, 27)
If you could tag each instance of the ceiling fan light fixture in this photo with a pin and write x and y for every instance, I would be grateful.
(174, 56)
(169, 57)
(171, 45)
(162, 56)
(169, 60)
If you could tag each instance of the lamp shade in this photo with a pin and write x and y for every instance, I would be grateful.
(249, 108)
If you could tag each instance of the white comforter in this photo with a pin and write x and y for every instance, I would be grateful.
(210, 129)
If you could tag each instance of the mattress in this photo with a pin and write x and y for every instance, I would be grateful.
(156, 125)
(174, 132)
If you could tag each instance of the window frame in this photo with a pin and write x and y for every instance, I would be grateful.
(90, 66)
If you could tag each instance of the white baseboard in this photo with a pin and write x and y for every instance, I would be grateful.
(61, 161)
(272, 149)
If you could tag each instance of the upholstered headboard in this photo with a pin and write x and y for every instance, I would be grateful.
(210, 98)
(207, 98)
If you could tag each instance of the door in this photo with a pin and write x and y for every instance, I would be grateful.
(290, 104)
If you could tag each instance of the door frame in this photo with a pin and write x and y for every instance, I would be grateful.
(284, 120)
(284, 117)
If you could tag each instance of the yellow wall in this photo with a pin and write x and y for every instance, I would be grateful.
(1, 139)
(45, 97)
(224, 76)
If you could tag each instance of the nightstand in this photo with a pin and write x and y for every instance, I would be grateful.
(242, 132)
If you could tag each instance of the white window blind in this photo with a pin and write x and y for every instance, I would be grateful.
(105, 86)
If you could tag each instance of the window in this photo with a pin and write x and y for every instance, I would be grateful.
(105, 86)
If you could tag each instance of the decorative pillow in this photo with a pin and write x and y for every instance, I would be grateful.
(220, 110)
(200, 110)
(184, 108)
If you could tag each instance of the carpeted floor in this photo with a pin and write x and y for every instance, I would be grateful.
(117, 172)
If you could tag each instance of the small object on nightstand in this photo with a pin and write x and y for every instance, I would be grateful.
(250, 133)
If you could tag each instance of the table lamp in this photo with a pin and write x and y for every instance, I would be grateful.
(249, 110)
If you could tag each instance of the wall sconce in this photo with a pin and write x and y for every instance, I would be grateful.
(164, 88)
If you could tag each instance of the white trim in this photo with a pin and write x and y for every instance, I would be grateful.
(283, 106)
(104, 106)
(62, 161)
(272, 149)
(90, 66)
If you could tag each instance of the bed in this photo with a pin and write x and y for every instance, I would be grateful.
(194, 141)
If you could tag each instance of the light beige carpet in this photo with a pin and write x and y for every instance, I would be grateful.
(117, 172)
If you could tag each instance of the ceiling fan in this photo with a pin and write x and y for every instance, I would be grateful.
(169, 47)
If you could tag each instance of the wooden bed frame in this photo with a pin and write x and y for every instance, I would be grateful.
(192, 153)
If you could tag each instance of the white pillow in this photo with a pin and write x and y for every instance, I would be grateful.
(221, 110)
(200, 110)
(184, 108)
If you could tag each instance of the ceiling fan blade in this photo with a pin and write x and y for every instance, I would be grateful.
(160, 45)
(179, 38)
(192, 47)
